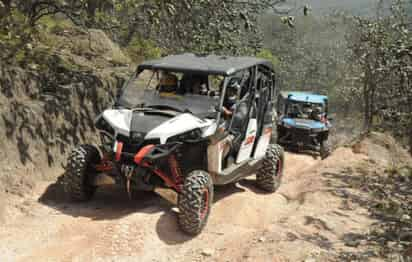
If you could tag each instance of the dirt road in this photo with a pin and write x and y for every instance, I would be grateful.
(307, 218)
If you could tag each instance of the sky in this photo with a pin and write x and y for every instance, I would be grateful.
(359, 7)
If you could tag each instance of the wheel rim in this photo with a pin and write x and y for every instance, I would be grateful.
(205, 204)
(279, 168)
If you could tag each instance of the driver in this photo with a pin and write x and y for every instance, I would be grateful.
(307, 111)
(295, 111)
(230, 98)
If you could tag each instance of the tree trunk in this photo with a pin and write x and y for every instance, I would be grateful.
(92, 6)
(366, 109)
(410, 138)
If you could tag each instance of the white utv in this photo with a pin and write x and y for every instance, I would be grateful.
(181, 125)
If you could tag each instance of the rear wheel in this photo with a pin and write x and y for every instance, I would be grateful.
(269, 176)
(195, 202)
(80, 168)
(325, 149)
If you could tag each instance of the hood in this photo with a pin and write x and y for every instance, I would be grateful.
(177, 125)
(303, 123)
(144, 122)
(155, 125)
(119, 119)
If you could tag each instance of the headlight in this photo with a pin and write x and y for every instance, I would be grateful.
(107, 141)
(102, 125)
(190, 135)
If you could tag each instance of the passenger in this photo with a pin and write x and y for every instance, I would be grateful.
(295, 111)
(194, 84)
(198, 87)
(317, 113)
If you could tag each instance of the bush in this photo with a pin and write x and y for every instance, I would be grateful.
(267, 54)
(139, 49)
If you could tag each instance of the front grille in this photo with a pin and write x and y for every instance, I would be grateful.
(133, 147)
(154, 141)
(301, 135)
(128, 145)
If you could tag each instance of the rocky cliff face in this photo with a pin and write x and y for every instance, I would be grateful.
(48, 105)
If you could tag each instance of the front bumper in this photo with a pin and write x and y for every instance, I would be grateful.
(302, 138)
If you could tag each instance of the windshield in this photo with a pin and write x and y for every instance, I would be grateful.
(198, 94)
(304, 110)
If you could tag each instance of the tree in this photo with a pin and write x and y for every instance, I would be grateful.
(382, 51)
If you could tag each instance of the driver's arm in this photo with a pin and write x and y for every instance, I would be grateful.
(227, 112)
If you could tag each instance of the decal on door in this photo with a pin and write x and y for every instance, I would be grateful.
(263, 143)
(247, 144)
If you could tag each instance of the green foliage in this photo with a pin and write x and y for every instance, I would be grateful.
(381, 54)
(51, 24)
(140, 49)
(267, 54)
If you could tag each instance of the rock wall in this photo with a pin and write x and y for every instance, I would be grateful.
(44, 113)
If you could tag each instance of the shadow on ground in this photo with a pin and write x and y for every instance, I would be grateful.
(113, 203)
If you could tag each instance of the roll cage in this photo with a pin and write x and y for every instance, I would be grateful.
(256, 76)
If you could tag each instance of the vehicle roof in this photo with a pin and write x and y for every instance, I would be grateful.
(211, 64)
(304, 97)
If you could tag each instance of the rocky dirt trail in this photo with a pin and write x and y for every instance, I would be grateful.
(309, 219)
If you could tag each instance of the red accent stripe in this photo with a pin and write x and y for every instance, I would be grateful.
(141, 154)
(119, 149)
(167, 180)
(205, 208)
(279, 168)
(175, 170)
(250, 140)
(104, 165)
(138, 159)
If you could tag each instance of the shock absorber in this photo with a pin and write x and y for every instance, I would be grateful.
(175, 170)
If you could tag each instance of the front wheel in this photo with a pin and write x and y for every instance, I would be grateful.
(325, 149)
(269, 175)
(80, 168)
(195, 202)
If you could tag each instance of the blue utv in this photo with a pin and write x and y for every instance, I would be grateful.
(303, 122)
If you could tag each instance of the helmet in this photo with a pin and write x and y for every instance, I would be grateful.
(307, 109)
(231, 93)
(316, 114)
(233, 87)
(317, 110)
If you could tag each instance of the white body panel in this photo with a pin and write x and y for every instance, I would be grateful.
(210, 129)
(263, 143)
(119, 119)
(177, 125)
(216, 152)
(247, 144)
